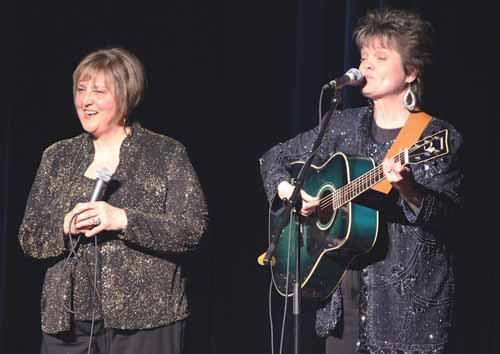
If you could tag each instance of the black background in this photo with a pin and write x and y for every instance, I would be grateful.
(229, 80)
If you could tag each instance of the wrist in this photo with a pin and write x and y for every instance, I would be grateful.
(123, 220)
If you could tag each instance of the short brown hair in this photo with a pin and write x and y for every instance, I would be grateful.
(404, 30)
(125, 70)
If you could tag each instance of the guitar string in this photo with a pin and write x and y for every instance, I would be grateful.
(364, 182)
(350, 191)
(343, 195)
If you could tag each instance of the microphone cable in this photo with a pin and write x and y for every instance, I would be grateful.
(73, 248)
(287, 282)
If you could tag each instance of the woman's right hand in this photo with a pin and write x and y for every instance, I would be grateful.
(72, 217)
(107, 216)
(309, 203)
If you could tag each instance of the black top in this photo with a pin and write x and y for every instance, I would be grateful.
(382, 135)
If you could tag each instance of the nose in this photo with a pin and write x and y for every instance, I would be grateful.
(366, 65)
(87, 98)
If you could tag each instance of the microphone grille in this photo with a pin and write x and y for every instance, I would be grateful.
(355, 75)
(104, 174)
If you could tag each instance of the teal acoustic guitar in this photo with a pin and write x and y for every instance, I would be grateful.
(341, 229)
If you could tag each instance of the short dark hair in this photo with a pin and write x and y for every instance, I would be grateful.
(123, 68)
(403, 30)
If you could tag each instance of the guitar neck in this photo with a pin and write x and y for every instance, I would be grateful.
(364, 182)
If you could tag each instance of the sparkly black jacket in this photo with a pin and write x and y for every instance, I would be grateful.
(140, 284)
(407, 280)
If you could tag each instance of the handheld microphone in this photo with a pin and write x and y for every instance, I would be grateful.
(352, 77)
(103, 177)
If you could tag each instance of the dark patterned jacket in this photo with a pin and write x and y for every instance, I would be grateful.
(140, 283)
(407, 279)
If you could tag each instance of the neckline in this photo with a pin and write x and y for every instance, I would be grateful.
(382, 135)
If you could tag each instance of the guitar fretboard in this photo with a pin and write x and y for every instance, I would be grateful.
(424, 150)
(359, 185)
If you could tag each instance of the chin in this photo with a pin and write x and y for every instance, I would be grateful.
(367, 94)
(89, 128)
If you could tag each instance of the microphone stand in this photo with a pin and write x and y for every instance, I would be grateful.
(295, 202)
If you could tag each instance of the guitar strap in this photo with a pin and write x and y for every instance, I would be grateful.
(407, 136)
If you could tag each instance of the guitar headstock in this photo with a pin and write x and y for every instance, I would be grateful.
(428, 148)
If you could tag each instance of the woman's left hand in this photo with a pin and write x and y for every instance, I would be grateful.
(395, 172)
(99, 216)
(400, 177)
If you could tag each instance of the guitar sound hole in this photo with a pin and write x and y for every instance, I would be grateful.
(325, 210)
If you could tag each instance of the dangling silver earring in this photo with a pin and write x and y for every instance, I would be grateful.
(410, 100)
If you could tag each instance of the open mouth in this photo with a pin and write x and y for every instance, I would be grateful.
(89, 113)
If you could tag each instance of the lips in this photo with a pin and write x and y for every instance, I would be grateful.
(89, 113)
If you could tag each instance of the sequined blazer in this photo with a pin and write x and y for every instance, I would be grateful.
(407, 279)
(140, 283)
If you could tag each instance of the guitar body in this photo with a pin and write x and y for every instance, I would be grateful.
(341, 229)
(332, 238)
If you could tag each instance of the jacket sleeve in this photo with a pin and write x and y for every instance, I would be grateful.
(41, 232)
(441, 183)
(275, 164)
(182, 224)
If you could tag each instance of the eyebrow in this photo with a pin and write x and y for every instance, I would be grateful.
(377, 50)
(98, 84)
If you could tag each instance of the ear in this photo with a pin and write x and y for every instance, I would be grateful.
(411, 75)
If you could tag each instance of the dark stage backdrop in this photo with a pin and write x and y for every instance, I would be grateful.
(229, 80)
